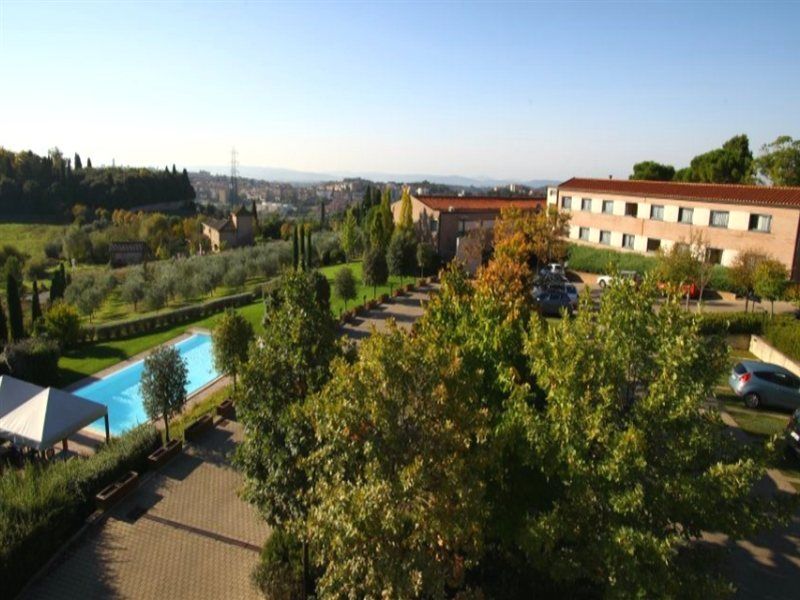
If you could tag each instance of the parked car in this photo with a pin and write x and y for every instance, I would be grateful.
(765, 384)
(549, 281)
(692, 289)
(552, 302)
(605, 280)
(552, 269)
(793, 433)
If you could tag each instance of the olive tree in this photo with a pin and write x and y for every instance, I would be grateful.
(231, 336)
(163, 384)
(770, 280)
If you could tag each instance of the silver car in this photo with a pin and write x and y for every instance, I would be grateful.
(765, 384)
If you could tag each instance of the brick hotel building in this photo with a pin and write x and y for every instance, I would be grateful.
(643, 216)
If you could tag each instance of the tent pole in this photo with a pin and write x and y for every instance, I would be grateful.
(108, 436)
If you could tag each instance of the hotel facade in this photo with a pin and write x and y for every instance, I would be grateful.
(645, 216)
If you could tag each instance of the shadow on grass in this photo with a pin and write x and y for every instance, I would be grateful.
(97, 352)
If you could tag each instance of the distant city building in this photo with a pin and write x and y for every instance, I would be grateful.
(237, 230)
(449, 218)
(127, 253)
(645, 216)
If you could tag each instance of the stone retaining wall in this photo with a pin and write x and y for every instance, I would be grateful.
(767, 353)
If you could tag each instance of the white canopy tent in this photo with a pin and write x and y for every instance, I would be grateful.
(48, 417)
(14, 392)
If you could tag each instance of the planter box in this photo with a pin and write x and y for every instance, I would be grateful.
(111, 494)
(397, 293)
(164, 453)
(385, 298)
(194, 431)
(227, 410)
(410, 287)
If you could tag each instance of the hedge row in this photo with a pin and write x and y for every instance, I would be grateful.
(719, 323)
(783, 333)
(41, 507)
(143, 325)
(602, 260)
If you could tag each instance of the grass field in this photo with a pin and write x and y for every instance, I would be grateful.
(362, 291)
(30, 238)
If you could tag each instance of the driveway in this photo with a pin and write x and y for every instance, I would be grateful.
(184, 533)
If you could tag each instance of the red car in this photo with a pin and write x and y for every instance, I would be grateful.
(687, 288)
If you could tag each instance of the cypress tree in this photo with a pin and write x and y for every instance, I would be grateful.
(255, 214)
(303, 248)
(3, 327)
(295, 249)
(88, 163)
(322, 214)
(36, 308)
(77, 161)
(16, 326)
(308, 251)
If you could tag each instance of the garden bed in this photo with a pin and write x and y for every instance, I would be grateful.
(113, 493)
(195, 430)
(163, 454)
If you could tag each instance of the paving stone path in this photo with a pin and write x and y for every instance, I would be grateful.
(404, 310)
(184, 533)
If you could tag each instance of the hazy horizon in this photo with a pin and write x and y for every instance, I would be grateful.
(507, 91)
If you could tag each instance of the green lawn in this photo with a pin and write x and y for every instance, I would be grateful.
(362, 291)
(30, 238)
(89, 359)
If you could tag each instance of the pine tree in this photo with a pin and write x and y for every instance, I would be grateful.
(16, 326)
(36, 308)
(295, 249)
(3, 328)
(77, 161)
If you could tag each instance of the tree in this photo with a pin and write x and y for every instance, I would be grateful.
(15, 319)
(386, 214)
(374, 269)
(733, 163)
(88, 163)
(676, 269)
(779, 162)
(77, 161)
(232, 336)
(163, 384)
(769, 281)
(133, 288)
(406, 210)
(743, 270)
(401, 256)
(377, 232)
(291, 362)
(349, 235)
(36, 308)
(63, 324)
(58, 283)
(676, 470)
(398, 500)
(426, 258)
(322, 214)
(309, 251)
(303, 258)
(650, 170)
(3, 328)
(295, 248)
(344, 284)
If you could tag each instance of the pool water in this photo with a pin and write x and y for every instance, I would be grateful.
(120, 390)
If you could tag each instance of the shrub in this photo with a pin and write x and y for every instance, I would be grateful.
(36, 268)
(42, 506)
(783, 333)
(279, 574)
(63, 324)
(596, 260)
(731, 323)
(34, 360)
(52, 250)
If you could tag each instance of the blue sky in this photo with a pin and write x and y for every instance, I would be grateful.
(508, 90)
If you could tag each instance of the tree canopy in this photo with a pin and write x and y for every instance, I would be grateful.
(650, 170)
(163, 384)
(779, 162)
(232, 336)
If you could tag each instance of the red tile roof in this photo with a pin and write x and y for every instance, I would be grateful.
(479, 203)
(713, 192)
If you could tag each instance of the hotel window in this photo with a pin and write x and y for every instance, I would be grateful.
(566, 202)
(685, 215)
(760, 223)
(653, 245)
(586, 204)
(657, 212)
(627, 240)
(605, 237)
(608, 207)
(583, 233)
(631, 209)
(714, 256)
(719, 218)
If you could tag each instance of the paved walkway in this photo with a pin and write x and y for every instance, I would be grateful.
(404, 310)
(184, 533)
